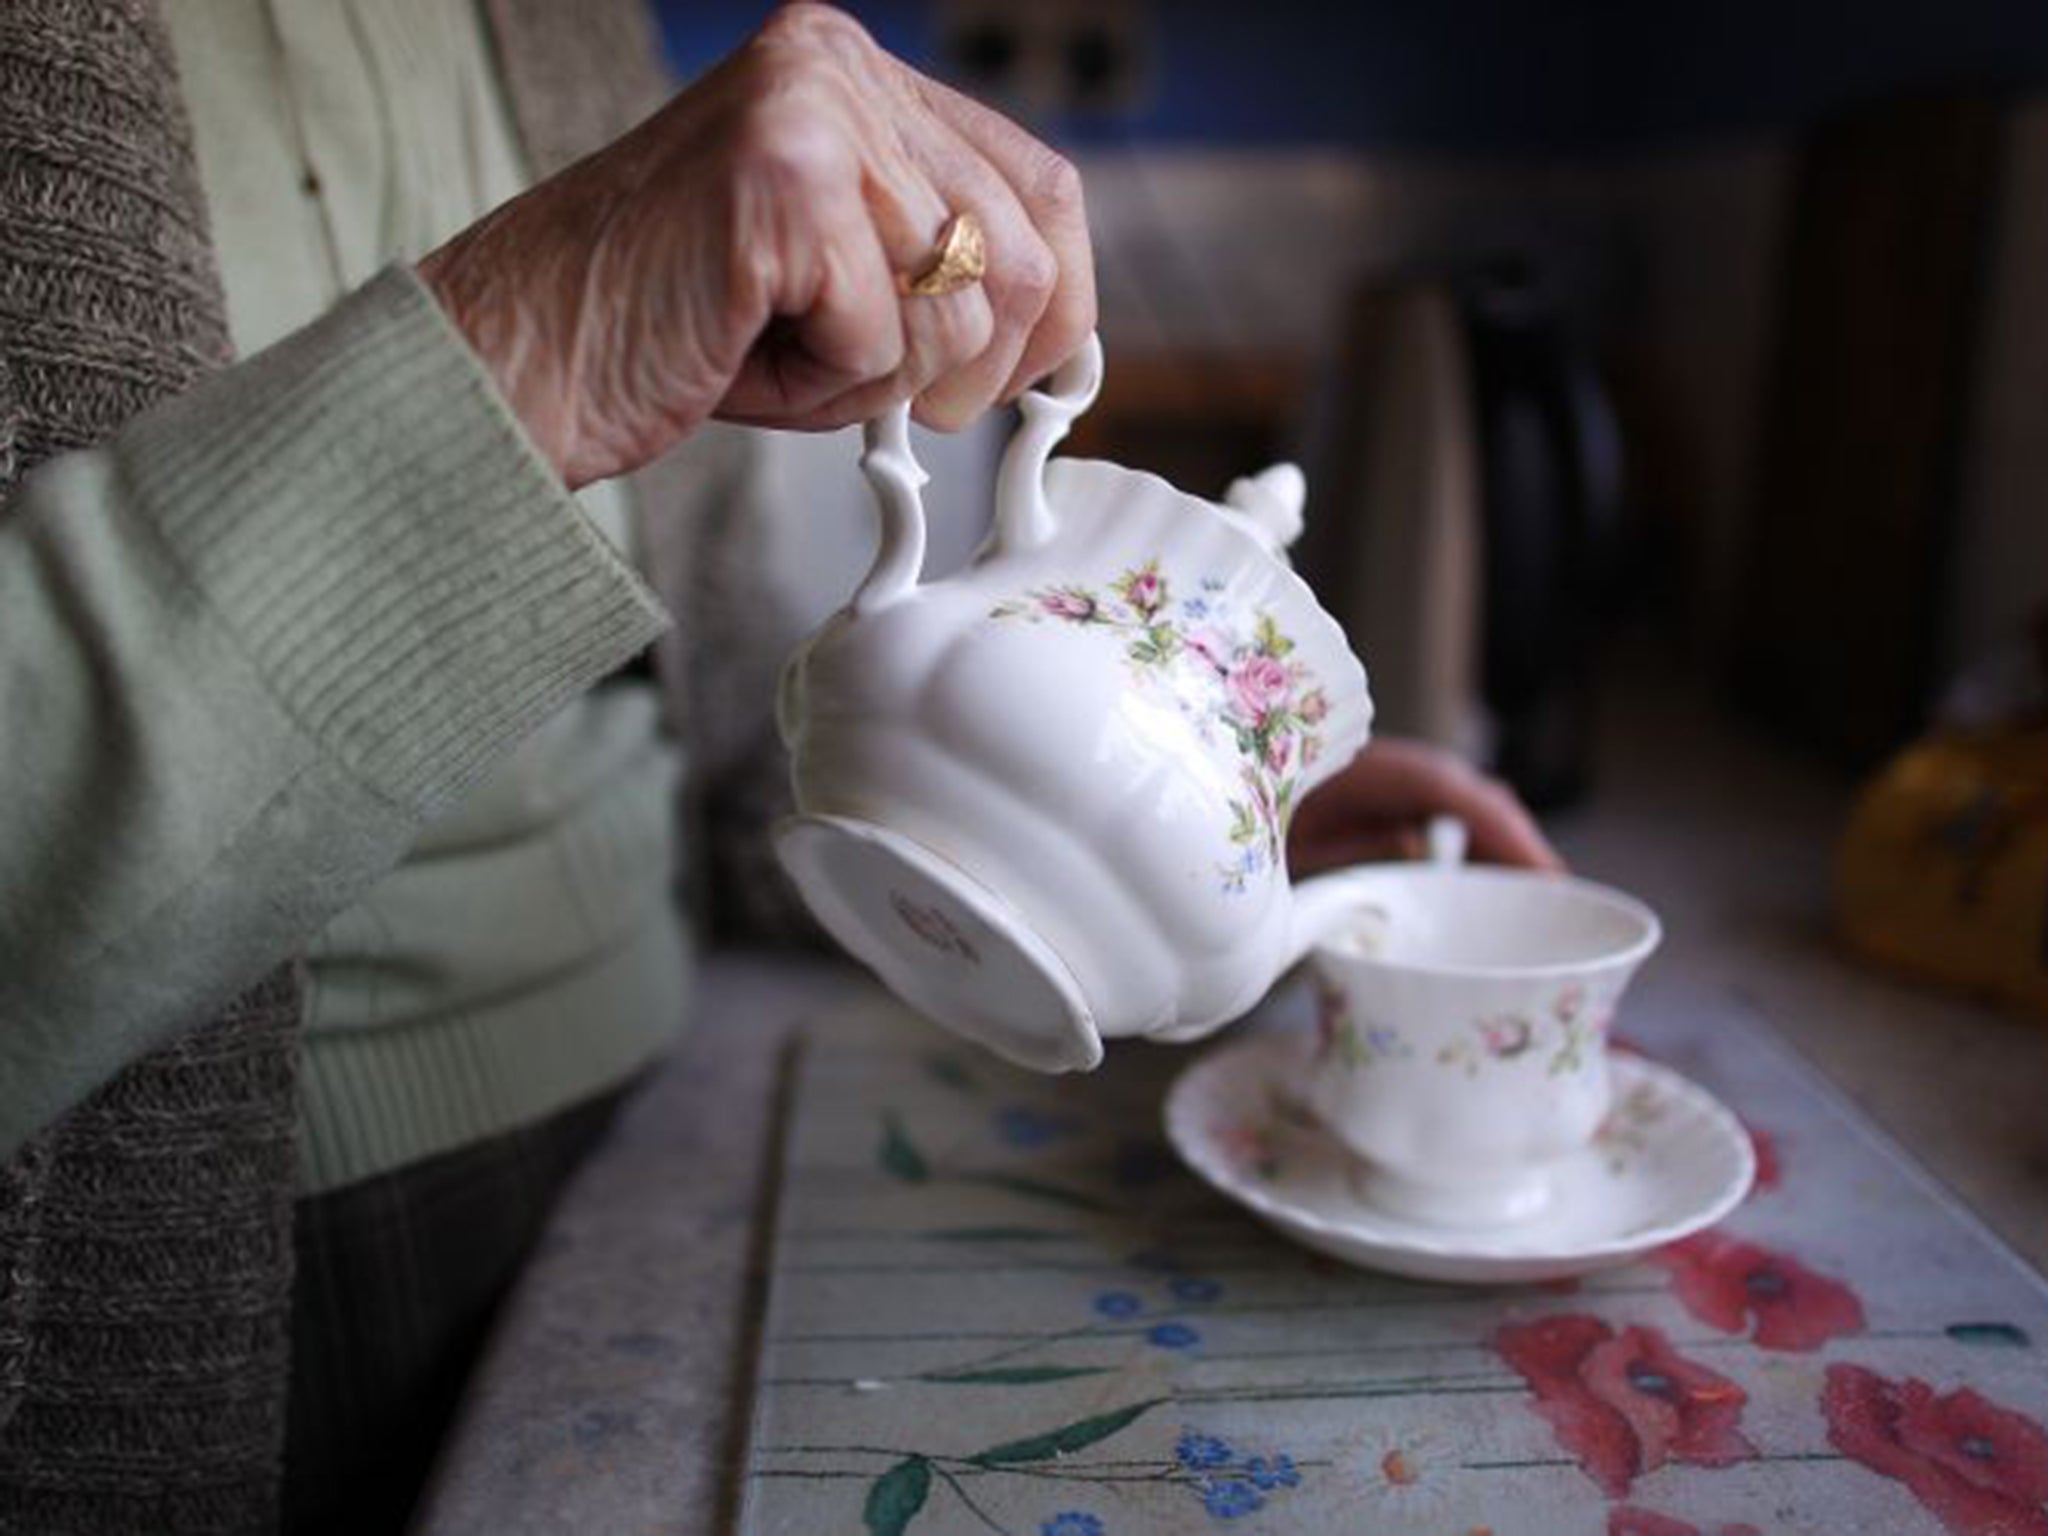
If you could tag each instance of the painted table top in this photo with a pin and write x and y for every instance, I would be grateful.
(1000, 1304)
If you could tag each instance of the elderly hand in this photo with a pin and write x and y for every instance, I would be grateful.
(1378, 807)
(736, 255)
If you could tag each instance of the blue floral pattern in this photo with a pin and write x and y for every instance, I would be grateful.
(1277, 1473)
(917, 1489)
(1230, 1486)
(1230, 1498)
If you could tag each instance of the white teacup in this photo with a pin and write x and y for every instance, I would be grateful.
(1463, 1016)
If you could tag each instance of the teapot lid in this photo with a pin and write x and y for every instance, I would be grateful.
(941, 940)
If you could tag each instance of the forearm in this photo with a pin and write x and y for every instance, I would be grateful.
(245, 647)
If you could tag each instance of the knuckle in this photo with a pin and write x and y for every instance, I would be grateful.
(1031, 273)
(810, 24)
(789, 146)
(1056, 181)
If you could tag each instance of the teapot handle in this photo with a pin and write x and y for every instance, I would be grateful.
(1024, 518)
(898, 480)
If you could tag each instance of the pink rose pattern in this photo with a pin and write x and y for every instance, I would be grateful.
(1508, 1036)
(1069, 603)
(1258, 686)
(1249, 684)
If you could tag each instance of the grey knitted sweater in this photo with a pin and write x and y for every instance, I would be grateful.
(145, 1238)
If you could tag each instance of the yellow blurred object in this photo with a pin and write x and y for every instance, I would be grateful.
(1944, 868)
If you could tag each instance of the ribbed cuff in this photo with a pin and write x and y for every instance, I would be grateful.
(362, 511)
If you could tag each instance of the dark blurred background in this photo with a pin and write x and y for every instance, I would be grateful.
(1707, 344)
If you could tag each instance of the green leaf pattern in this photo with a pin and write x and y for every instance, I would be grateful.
(895, 1497)
(1014, 1375)
(1065, 1440)
(900, 1496)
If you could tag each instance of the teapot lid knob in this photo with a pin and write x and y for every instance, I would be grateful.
(1273, 499)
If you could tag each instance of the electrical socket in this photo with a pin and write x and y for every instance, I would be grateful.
(1051, 58)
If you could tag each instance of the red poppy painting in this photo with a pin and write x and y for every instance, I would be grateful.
(1731, 1285)
(1624, 1404)
(1980, 1468)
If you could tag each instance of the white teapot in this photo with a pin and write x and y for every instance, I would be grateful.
(1046, 799)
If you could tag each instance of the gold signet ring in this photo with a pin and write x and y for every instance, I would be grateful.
(959, 259)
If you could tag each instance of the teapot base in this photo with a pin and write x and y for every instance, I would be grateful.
(941, 940)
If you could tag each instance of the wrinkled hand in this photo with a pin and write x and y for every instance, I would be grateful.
(1379, 806)
(736, 254)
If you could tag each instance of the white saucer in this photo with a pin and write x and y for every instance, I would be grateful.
(1669, 1161)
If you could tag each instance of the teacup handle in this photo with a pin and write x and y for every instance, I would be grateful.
(1024, 518)
(898, 480)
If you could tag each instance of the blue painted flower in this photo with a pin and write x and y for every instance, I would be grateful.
(1196, 607)
(1022, 1126)
(1230, 1499)
(1118, 1304)
(1200, 1453)
(1071, 1522)
(1194, 1288)
(1173, 1336)
(1277, 1473)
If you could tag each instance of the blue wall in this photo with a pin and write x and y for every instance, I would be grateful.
(1502, 75)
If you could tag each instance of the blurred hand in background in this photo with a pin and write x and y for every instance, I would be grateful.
(1381, 805)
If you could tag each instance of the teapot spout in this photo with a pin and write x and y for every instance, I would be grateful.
(1273, 500)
